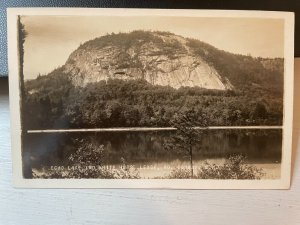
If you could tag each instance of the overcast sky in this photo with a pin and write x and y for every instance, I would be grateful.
(51, 39)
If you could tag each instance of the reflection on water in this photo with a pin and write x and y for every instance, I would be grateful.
(141, 148)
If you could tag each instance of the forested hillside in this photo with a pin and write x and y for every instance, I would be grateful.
(252, 94)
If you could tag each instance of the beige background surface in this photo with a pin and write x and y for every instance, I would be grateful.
(113, 206)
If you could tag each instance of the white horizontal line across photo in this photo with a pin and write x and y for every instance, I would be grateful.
(150, 129)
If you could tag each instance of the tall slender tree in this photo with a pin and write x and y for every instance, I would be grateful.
(27, 172)
(189, 129)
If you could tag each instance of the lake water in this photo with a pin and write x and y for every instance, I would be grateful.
(146, 151)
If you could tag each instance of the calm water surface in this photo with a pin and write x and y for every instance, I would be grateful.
(145, 150)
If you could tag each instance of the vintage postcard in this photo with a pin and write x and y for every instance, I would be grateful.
(149, 98)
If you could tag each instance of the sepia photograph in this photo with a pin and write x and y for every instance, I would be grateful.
(151, 98)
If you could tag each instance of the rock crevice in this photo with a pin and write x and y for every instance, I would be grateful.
(173, 66)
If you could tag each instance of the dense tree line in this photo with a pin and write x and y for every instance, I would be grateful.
(53, 102)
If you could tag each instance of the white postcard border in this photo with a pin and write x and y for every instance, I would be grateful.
(14, 93)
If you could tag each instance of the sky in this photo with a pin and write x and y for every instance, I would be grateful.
(51, 39)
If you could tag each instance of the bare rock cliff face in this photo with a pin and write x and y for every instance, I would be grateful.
(161, 60)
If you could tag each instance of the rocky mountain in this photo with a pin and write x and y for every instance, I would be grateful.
(160, 58)
(166, 59)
